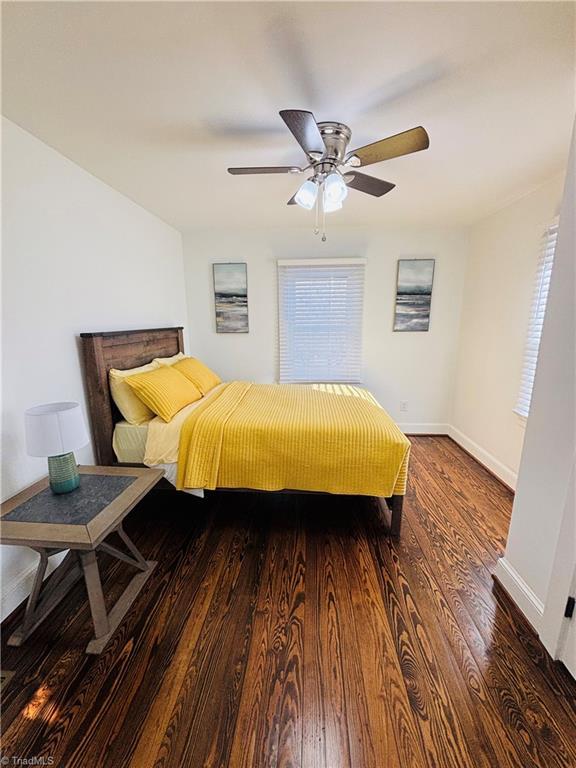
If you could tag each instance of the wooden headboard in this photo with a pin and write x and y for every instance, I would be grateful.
(118, 349)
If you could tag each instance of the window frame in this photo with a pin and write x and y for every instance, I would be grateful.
(536, 319)
(282, 335)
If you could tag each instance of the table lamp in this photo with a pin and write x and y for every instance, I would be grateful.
(55, 430)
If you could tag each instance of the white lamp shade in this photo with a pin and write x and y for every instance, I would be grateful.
(335, 189)
(307, 194)
(330, 206)
(54, 428)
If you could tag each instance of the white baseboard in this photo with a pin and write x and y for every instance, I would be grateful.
(530, 605)
(19, 587)
(424, 429)
(505, 474)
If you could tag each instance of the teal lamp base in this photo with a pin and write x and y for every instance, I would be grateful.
(63, 473)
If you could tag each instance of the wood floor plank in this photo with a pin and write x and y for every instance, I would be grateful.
(211, 689)
(478, 508)
(157, 715)
(396, 739)
(476, 477)
(489, 641)
(466, 539)
(361, 737)
(492, 738)
(325, 733)
(292, 632)
(441, 706)
(268, 730)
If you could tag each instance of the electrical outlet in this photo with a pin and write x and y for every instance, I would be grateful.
(404, 406)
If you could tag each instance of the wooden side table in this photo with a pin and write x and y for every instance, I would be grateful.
(80, 522)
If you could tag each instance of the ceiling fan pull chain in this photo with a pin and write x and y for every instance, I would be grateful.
(316, 227)
(323, 218)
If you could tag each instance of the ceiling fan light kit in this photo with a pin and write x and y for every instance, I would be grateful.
(307, 195)
(329, 206)
(334, 169)
(335, 189)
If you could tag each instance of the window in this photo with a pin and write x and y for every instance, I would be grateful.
(539, 299)
(320, 320)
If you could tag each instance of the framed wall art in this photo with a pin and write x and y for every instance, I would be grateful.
(413, 294)
(231, 297)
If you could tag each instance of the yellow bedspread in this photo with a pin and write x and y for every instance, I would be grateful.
(271, 437)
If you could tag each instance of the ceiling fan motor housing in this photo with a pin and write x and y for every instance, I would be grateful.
(336, 137)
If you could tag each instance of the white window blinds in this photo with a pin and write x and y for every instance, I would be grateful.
(320, 320)
(539, 299)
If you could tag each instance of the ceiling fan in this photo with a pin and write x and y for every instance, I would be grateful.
(334, 168)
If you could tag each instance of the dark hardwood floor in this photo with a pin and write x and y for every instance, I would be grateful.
(291, 631)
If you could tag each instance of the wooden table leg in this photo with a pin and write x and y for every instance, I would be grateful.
(135, 558)
(105, 624)
(45, 597)
(131, 546)
(121, 607)
(95, 595)
(33, 596)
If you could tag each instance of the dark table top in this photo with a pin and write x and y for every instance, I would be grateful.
(78, 507)
(81, 519)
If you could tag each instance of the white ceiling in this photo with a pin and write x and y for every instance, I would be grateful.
(157, 99)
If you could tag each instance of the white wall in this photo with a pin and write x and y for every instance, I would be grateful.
(502, 264)
(77, 256)
(550, 444)
(416, 367)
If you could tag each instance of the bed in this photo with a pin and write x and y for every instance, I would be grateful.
(132, 348)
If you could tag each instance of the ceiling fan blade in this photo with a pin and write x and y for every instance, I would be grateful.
(404, 143)
(265, 169)
(369, 184)
(304, 129)
(406, 83)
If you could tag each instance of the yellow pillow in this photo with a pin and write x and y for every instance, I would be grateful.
(128, 403)
(198, 373)
(169, 360)
(164, 390)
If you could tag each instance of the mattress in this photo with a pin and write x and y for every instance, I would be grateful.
(129, 442)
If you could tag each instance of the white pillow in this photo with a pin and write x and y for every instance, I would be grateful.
(169, 360)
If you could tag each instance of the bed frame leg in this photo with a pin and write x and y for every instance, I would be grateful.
(394, 504)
